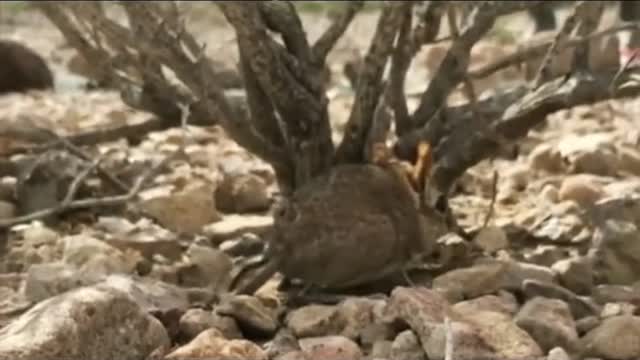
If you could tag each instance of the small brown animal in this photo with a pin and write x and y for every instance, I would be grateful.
(352, 226)
(22, 69)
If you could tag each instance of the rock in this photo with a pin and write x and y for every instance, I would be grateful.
(46, 280)
(489, 277)
(282, 344)
(39, 235)
(616, 338)
(381, 350)
(376, 332)
(184, 212)
(545, 255)
(629, 160)
(480, 334)
(550, 193)
(579, 306)
(315, 320)
(97, 322)
(491, 239)
(558, 353)
(618, 252)
(359, 315)
(487, 303)
(90, 255)
(212, 267)
(591, 153)
(549, 322)
(616, 309)
(576, 274)
(581, 189)
(615, 293)
(7, 210)
(149, 239)
(242, 193)
(587, 324)
(330, 348)
(546, 157)
(406, 346)
(232, 226)
(503, 336)
(195, 321)
(211, 345)
(252, 315)
(150, 294)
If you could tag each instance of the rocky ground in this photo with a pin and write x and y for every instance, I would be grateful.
(559, 279)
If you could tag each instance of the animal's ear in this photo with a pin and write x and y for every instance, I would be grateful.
(424, 162)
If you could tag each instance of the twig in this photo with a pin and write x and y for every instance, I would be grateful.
(332, 34)
(533, 51)
(544, 72)
(455, 32)
(453, 68)
(589, 20)
(68, 202)
(494, 193)
(369, 85)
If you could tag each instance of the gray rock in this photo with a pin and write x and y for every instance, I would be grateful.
(618, 252)
(360, 314)
(97, 322)
(549, 322)
(475, 335)
(232, 226)
(330, 348)
(242, 193)
(558, 353)
(46, 280)
(587, 324)
(616, 338)
(576, 274)
(406, 346)
(606, 293)
(210, 344)
(252, 315)
(487, 303)
(315, 320)
(487, 278)
(195, 321)
(579, 306)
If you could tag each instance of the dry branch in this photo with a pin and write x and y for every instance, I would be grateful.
(340, 23)
(454, 66)
(369, 87)
(540, 49)
(69, 203)
(510, 117)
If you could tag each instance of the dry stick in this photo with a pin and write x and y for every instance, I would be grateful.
(589, 20)
(544, 72)
(532, 51)
(73, 149)
(494, 193)
(614, 81)
(68, 202)
(334, 32)
(455, 32)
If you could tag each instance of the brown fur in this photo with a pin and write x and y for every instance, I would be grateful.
(22, 69)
